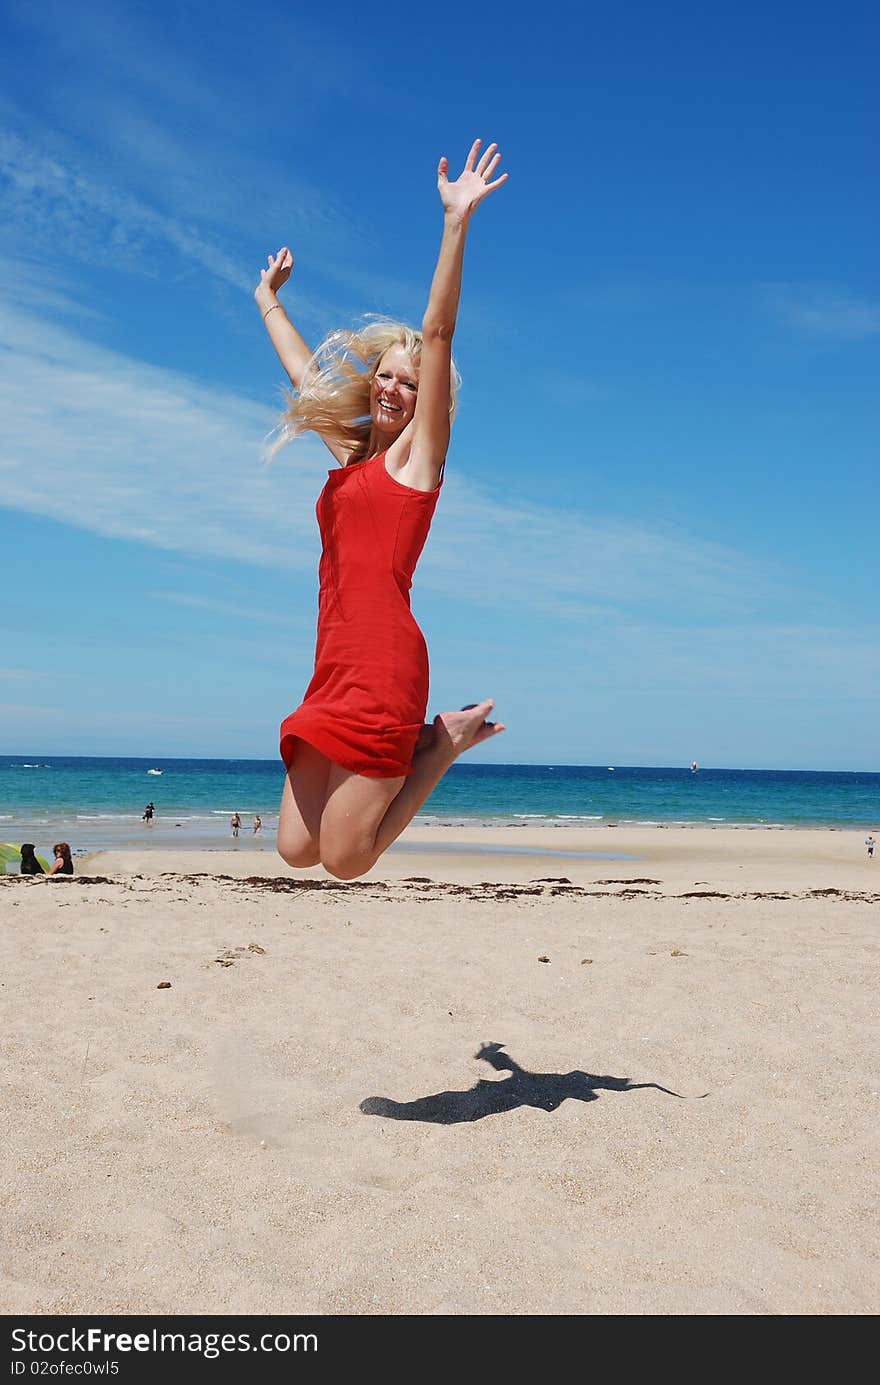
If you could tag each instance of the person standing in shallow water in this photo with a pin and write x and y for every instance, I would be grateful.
(360, 762)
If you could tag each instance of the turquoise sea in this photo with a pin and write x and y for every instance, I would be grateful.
(97, 803)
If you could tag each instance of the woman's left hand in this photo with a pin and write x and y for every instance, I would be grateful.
(473, 183)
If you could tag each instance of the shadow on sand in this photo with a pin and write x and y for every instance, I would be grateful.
(544, 1090)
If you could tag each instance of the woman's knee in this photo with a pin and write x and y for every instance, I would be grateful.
(298, 851)
(346, 865)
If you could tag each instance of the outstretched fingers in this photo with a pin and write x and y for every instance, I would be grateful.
(476, 180)
(486, 167)
(486, 159)
(472, 156)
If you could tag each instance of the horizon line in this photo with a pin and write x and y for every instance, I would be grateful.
(478, 764)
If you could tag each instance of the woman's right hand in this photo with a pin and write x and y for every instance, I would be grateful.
(277, 271)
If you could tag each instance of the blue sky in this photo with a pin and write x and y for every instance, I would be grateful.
(657, 540)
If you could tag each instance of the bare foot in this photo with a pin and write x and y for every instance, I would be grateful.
(457, 732)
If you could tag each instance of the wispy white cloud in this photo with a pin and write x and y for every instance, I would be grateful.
(58, 197)
(29, 709)
(105, 443)
(161, 59)
(93, 219)
(795, 661)
(123, 146)
(825, 311)
(111, 445)
(568, 388)
(53, 300)
(123, 156)
(139, 729)
(570, 565)
(223, 608)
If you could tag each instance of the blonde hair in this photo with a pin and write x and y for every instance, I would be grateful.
(334, 397)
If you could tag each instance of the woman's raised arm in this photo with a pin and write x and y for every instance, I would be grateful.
(292, 351)
(290, 348)
(429, 438)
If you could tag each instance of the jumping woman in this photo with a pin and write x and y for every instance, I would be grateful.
(360, 761)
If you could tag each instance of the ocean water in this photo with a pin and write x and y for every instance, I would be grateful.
(97, 803)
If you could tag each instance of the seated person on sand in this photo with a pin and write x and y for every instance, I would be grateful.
(63, 864)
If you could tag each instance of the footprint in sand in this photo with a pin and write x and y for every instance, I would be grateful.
(232, 955)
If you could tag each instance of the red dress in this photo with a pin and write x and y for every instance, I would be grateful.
(366, 702)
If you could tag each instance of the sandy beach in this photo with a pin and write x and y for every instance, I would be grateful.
(609, 1071)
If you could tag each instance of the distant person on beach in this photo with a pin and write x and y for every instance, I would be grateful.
(149, 810)
(869, 843)
(258, 824)
(360, 760)
(63, 863)
(29, 863)
(235, 824)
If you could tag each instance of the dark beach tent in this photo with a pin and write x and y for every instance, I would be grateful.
(11, 856)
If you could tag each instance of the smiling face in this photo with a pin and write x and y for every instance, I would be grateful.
(393, 391)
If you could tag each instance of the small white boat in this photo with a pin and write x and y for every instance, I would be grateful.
(154, 771)
(610, 769)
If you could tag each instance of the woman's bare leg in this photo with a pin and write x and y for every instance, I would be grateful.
(354, 809)
(302, 803)
(362, 817)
